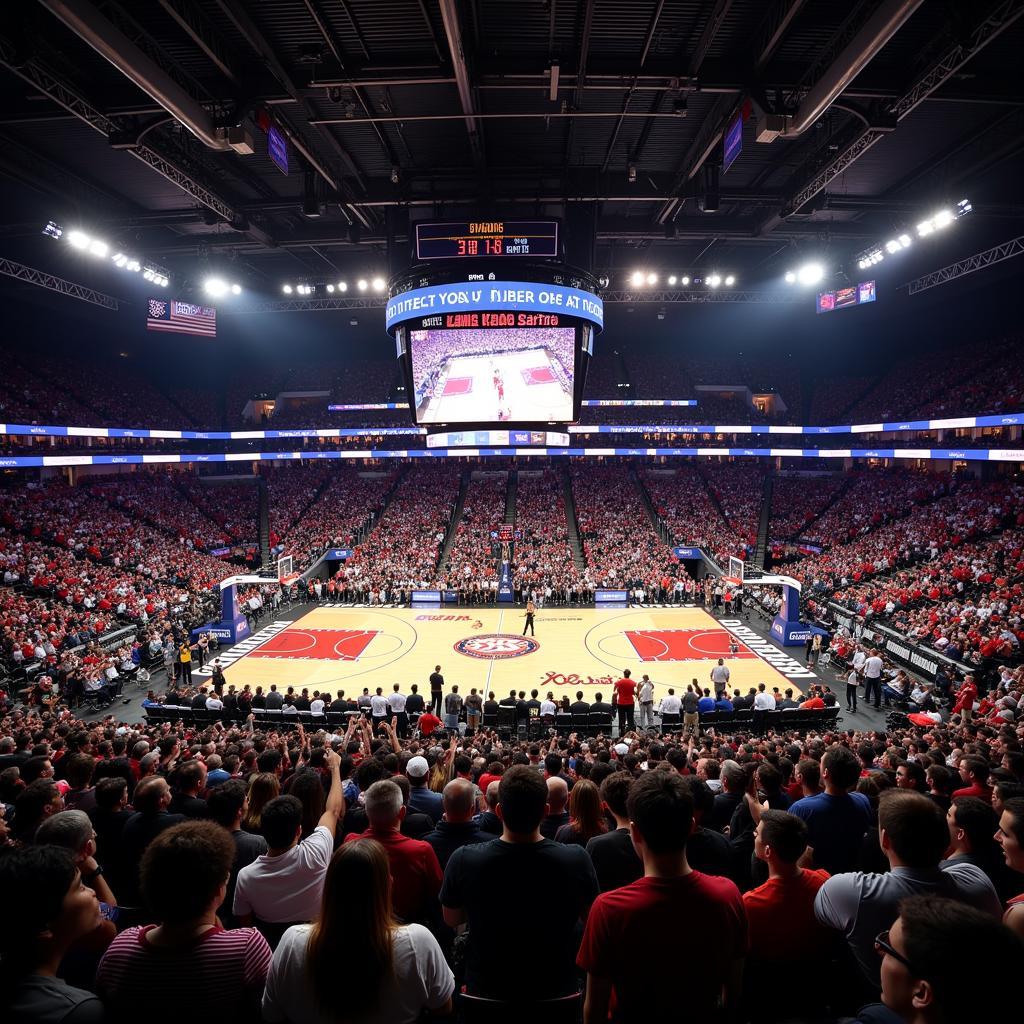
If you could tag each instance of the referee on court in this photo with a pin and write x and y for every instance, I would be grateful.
(531, 610)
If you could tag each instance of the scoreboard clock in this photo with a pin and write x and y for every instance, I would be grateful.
(486, 238)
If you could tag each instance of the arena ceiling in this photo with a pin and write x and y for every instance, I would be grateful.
(612, 110)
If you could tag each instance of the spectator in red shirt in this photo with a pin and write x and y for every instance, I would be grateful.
(974, 772)
(624, 920)
(780, 916)
(415, 872)
(625, 689)
(965, 699)
(427, 723)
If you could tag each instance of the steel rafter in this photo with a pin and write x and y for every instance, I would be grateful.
(41, 279)
(1001, 17)
(717, 295)
(979, 261)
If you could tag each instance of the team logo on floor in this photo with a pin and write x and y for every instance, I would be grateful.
(496, 646)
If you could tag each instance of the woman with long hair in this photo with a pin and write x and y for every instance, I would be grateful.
(262, 789)
(399, 969)
(309, 790)
(586, 816)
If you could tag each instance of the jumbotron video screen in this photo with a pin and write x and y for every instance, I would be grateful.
(504, 375)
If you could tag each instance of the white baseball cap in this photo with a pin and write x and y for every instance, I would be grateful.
(417, 767)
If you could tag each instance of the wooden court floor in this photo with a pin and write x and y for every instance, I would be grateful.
(584, 649)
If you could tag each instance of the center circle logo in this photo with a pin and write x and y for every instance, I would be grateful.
(496, 646)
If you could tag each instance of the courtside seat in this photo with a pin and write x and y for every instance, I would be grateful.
(710, 717)
(580, 722)
(506, 720)
(600, 721)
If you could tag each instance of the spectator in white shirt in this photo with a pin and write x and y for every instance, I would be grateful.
(285, 885)
(548, 706)
(213, 702)
(316, 706)
(763, 700)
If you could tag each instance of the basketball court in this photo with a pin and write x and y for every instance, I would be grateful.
(574, 649)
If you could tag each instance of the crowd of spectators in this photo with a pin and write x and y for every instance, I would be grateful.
(241, 867)
(620, 544)
(798, 498)
(472, 561)
(543, 556)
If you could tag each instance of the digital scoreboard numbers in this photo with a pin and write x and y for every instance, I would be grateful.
(487, 238)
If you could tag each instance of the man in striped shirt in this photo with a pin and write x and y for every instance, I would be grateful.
(188, 959)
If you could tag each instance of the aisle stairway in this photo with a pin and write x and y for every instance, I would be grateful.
(574, 527)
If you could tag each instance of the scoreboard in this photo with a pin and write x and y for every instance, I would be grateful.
(486, 238)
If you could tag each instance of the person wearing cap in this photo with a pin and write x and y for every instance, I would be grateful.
(421, 797)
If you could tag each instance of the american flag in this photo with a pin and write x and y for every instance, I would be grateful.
(181, 317)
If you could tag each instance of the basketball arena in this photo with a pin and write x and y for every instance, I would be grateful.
(511, 510)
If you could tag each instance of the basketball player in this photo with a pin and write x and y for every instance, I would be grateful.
(531, 610)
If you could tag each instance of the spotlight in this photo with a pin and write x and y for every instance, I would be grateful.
(904, 240)
(790, 277)
(54, 230)
(361, 284)
(925, 228)
(942, 219)
(98, 248)
(672, 279)
(215, 286)
(342, 286)
(637, 279)
(79, 239)
(685, 281)
(134, 265)
(378, 284)
(964, 206)
(652, 279)
(730, 281)
(330, 289)
(287, 289)
(147, 274)
(861, 265)
(714, 281)
(236, 289)
(892, 246)
(810, 273)
(631, 174)
(120, 259)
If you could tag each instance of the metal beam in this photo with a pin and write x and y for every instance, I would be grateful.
(174, 168)
(979, 261)
(707, 37)
(776, 22)
(41, 279)
(308, 305)
(581, 74)
(999, 18)
(453, 32)
(196, 26)
(708, 295)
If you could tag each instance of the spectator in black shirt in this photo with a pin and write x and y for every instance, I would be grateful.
(414, 702)
(483, 881)
(108, 818)
(302, 702)
(599, 706)
(227, 805)
(707, 851)
(458, 827)
(189, 780)
(489, 820)
(436, 690)
(615, 860)
(490, 706)
(556, 816)
(734, 782)
(152, 798)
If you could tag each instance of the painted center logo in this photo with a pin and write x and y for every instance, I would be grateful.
(496, 645)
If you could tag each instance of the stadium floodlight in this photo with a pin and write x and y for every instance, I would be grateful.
(904, 240)
(637, 279)
(147, 274)
(120, 260)
(685, 281)
(378, 284)
(342, 286)
(943, 219)
(730, 281)
(672, 279)
(925, 228)
(362, 284)
(215, 287)
(330, 289)
(236, 289)
(98, 248)
(287, 289)
(78, 239)
(810, 273)
(892, 246)
(652, 279)
(714, 280)
(790, 277)
(54, 230)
